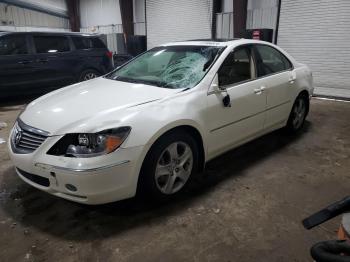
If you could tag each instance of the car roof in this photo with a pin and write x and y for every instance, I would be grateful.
(50, 33)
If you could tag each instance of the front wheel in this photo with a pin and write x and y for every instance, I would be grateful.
(169, 165)
(298, 114)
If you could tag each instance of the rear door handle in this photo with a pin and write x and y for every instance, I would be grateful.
(42, 60)
(24, 62)
(292, 77)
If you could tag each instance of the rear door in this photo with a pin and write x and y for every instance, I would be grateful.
(55, 60)
(17, 67)
(93, 54)
(276, 72)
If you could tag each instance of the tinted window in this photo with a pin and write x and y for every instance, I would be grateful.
(269, 60)
(51, 44)
(86, 43)
(81, 42)
(235, 68)
(97, 43)
(13, 45)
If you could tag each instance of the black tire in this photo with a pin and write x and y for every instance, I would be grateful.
(147, 185)
(298, 114)
(88, 74)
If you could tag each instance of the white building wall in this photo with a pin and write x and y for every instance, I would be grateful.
(139, 17)
(227, 6)
(103, 17)
(99, 13)
(170, 20)
(317, 33)
(224, 20)
(262, 14)
(13, 18)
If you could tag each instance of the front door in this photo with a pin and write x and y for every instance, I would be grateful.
(230, 126)
(17, 69)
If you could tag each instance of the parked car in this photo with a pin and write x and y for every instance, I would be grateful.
(32, 62)
(120, 59)
(152, 124)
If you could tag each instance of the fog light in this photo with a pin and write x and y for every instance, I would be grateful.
(71, 188)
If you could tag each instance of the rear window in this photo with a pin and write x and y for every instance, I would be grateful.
(87, 43)
(51, 44)
(13, 45)
(97, 43)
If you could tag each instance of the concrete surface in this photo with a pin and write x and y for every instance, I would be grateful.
(332, 92)
(248, 206)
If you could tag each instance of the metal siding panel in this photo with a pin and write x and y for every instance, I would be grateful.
(27, 20)
(315, 32)
(169, 20)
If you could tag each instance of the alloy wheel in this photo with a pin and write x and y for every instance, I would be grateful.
(299, 111)
(89, 76)
(174, 168)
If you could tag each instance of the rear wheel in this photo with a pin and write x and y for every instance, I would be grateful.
(169, 165)
(298, 114)
(88, 74)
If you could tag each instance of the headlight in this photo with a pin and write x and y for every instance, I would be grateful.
(90, 145)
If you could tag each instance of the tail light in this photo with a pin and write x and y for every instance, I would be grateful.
(109, 54)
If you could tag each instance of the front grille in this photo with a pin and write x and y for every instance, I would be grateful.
(43, 181)
(25, 139)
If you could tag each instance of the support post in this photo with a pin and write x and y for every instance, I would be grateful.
(73, 14)
(239, 17)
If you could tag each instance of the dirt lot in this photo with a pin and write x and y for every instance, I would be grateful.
(247, 208)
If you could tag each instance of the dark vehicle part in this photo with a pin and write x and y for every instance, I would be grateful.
(331, 251)
(327, 213)
(334, 250)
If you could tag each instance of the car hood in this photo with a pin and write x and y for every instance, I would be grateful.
(87, 105)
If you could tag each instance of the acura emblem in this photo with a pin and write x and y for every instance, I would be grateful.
(18, 137)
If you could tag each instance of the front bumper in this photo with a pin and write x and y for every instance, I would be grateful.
(96, 180)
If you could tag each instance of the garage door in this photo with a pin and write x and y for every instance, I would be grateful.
(317, 32)
(170, 20)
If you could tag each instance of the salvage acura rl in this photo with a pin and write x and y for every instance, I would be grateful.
(152, 124)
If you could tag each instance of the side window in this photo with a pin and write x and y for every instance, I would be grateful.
(236, 67)
(51, 44)
(97, 43)
(81, 42)
(270, 61)
(13, 45)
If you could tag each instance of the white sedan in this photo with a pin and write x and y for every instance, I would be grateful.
(149, 126)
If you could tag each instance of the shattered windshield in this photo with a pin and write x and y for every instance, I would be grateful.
(169, 66)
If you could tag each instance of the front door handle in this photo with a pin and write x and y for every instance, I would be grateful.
(258, 91)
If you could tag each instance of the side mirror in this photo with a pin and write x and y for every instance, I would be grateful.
(215, 88)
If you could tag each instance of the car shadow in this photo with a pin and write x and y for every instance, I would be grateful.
(71, 221)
